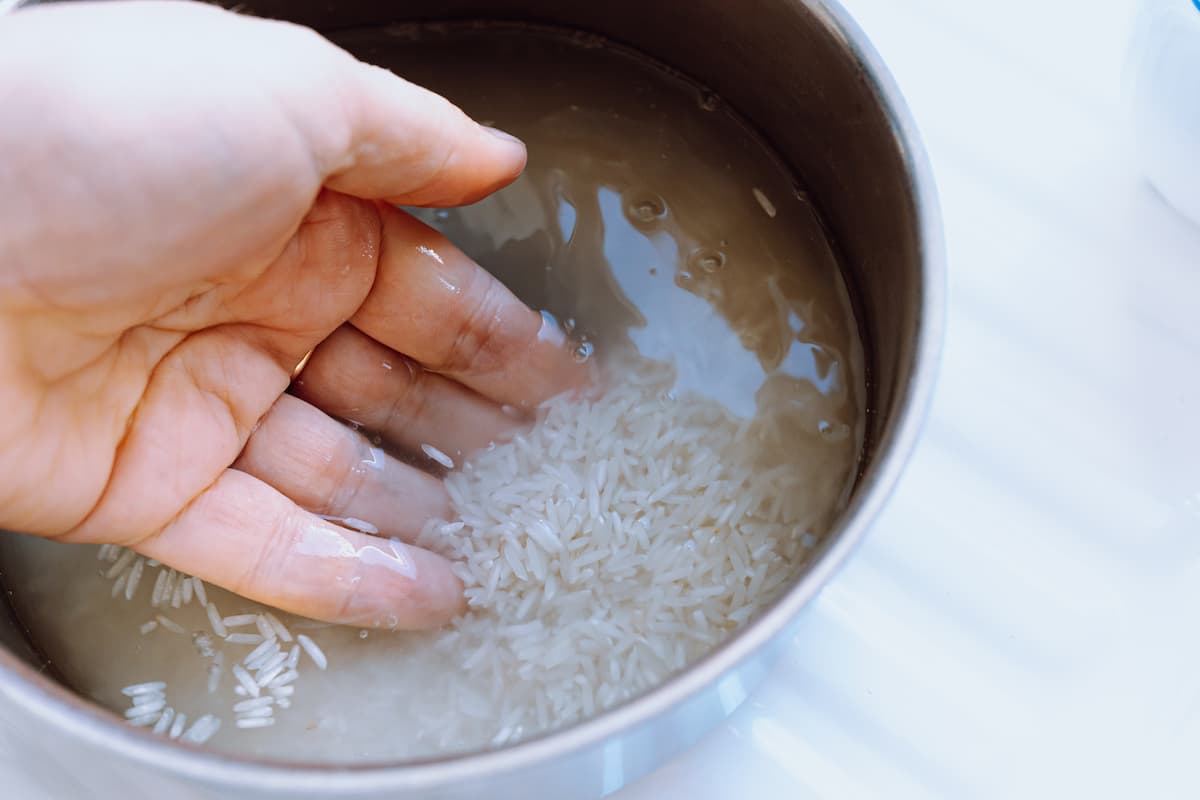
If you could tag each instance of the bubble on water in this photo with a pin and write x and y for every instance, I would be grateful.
(833, 432)
(683, 278)
(706, 259)
(550, 330)
(363, 634)
(645, 209)
(709, 101)
(583, 351)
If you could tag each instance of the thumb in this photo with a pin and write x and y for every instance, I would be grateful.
(410, 146)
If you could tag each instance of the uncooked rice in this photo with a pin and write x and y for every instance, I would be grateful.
(601, 551)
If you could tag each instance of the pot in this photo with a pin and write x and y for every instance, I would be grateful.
(804, 74)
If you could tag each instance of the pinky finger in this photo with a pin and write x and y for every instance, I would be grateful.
(249, 538)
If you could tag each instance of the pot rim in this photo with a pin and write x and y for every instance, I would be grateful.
(69, 713)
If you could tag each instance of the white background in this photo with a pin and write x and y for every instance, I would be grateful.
(1024, 620)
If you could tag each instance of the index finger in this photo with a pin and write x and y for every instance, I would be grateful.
(437, 306)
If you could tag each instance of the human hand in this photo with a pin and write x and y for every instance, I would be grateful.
(193, 201)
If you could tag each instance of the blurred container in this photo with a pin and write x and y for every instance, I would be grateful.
(1162, 92)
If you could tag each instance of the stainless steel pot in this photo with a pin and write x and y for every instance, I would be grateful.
(805, 75)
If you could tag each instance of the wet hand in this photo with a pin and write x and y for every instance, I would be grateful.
(193, 203)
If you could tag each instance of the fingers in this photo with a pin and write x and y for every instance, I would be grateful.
(443, 310)
(408, 145)
(352, 376)
(333, 471)
(247, 537)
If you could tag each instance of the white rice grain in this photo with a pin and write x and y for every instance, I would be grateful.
(121, 564)
(164, 721)
(244, 638)
(160, 582)
(253, 703)
(255, 722)
(280, 629)
(214, 672)
(201, 592)
(244, 679)
(314, 652)
(264, 650)
(258, 713)
(438, 456)
(202, 730)
(214, 619)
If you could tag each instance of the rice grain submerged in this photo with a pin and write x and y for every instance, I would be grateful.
(603, 550)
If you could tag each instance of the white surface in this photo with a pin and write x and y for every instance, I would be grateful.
(1023, 620)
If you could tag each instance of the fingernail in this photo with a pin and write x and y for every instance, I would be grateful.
(503, 135)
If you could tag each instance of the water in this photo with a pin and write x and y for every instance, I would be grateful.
(650, 223)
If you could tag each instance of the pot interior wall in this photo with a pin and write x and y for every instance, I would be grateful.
(776, 65)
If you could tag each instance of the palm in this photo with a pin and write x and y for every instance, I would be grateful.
(152, 324)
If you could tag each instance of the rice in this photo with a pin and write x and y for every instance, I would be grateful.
(244, 638)
(253, 703)
(280, 629)
(178, 726)
(605, 549)
(314, 652)
(245, 680)
(214, 672)
(215, 620)
(164, 721)
(601, 551)
(255, 722)
(198, 588)
(135, 576)
(438, 456)
(202, 730)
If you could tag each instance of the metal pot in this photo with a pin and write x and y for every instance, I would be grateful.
(804, 74)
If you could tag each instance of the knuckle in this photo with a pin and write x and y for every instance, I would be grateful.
(477, 345)
(410, 394)
(278, 544)
(343, 476)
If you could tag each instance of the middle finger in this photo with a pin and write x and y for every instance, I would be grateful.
(352, 376)
(437, 306)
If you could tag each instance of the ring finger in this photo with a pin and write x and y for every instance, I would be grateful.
(328, 469)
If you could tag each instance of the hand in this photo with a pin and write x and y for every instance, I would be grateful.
(192, 202)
